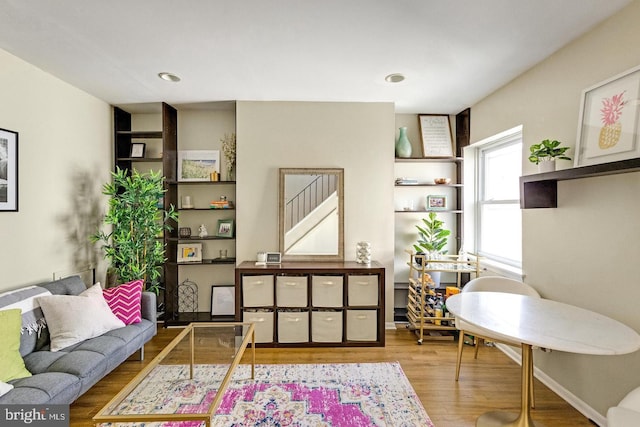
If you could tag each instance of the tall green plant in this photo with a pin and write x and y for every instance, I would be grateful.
(133, 245)
(432, 237)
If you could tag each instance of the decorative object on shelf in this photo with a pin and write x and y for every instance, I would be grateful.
(435, 131)
(187, 203)
(545, 154)
(197, 165)
(221, 204)
(406, 181)
(132, 245)
(223, 254)
(184, 232)
(609, 120)
(403, 145)
(137, 150)
(8, 170)
(229, 151)
(189, 252)
(363, 253)
(441, 181)
(214, 176)
(408, 205)
(436, 202)
(202, 231)
(225, 228)
(223, 300)
(187, 297)
(273, 258)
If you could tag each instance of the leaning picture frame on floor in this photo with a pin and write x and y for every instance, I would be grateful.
(223, 300)
(8, 171)
(435, 132)
(608, 120)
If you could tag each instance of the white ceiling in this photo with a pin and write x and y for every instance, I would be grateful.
(453, 53)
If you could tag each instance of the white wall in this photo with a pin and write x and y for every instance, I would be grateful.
(355, 136)
(584, 252)
(65, 154)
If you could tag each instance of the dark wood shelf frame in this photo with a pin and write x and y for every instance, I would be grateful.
(541, 190)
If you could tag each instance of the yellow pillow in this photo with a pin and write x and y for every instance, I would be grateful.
(11, 363)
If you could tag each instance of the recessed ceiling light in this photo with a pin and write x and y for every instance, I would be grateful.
(170, 77)
(394, 78)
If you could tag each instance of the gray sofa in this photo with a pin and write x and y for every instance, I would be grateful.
(61, 377)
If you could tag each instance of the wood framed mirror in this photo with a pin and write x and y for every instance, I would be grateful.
(311, 214)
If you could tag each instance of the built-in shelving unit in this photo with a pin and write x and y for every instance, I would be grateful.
(541, 190)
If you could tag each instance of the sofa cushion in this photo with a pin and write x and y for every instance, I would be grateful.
(11, 363)
(125, 301)
(71, 319)
(33, 324)
(52, 387)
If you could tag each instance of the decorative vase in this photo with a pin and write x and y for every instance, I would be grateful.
(403, 145)
(229, 176)
(363, 253)
(547, 165)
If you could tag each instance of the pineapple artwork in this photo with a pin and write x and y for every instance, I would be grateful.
(612, 128)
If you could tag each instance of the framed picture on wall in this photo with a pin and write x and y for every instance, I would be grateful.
(8, 170)
(608, 121)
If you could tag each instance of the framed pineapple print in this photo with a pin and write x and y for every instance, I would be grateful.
(608, 121)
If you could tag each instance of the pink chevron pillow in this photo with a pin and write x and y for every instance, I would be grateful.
(125, 301)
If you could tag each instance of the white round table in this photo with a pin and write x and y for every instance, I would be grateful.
(542, 323)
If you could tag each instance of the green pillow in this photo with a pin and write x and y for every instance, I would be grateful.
(11, 363)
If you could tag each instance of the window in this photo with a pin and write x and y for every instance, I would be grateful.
(498, 224)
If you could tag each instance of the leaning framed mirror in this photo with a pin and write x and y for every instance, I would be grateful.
(311, 214)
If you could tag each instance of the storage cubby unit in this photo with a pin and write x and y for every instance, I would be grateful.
(312, 303)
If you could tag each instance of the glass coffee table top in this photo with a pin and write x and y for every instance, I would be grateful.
(187, 380)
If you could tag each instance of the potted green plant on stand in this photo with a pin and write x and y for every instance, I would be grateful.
(432, 241)
(545, 154)
(134, 245)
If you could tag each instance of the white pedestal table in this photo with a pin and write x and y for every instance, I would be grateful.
(542, 323)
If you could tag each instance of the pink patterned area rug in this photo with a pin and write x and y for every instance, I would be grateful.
(341, 395)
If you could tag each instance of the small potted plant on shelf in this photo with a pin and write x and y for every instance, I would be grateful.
(432, 240)
(136, 220)
(545, 154)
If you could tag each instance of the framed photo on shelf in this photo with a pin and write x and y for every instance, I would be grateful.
(8, 170)
(436, 202)
(197, 165)
(225, 228)
(608, 121)
(435, 132)
(223, 300)
(189, 252)
(137, 150)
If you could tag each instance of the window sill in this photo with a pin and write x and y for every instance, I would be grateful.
(491, 267)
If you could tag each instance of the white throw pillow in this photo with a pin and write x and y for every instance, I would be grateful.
(75, 318)
(5, 388)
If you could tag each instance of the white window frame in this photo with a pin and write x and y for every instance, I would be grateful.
(473, 168)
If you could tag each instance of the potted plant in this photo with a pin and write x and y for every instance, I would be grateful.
(545, 154)
(137, 221)
(432, 240)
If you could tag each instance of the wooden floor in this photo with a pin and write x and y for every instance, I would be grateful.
(492, 382)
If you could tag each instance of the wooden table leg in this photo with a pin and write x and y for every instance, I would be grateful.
(523, 419)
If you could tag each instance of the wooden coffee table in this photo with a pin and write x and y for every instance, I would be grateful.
(199, 343)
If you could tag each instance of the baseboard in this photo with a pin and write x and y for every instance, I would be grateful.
(390, 325)
(580, 405)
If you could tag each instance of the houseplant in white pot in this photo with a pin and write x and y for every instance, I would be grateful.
(545, 154)
(432, 240)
